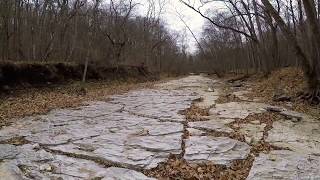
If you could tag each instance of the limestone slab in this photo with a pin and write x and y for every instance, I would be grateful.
(219, 150)
(237, 109)
(302, 136)
(286, 165)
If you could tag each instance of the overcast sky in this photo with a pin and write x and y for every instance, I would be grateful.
(194, 20)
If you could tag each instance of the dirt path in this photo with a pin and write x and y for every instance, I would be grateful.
(134, 135)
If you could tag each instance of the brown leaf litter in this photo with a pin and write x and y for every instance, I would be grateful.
(34, 101)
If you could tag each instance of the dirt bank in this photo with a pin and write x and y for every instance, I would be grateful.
(25, 75)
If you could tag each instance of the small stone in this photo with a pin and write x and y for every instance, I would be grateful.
(195, 132)
(210, 90)
(248, 139)
(46, 167)
(36, 146)
(255, 122)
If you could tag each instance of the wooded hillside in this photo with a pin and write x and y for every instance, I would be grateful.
(261, 36)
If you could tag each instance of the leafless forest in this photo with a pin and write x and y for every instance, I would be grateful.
(110, 33)
(113, 89)
(248, 36)
(263, 36)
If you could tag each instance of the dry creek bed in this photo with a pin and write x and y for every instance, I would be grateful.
(130, 135)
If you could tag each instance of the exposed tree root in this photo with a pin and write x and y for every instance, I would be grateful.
(238, 78)
(311, 96)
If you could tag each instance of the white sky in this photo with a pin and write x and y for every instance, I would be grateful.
(193, 19)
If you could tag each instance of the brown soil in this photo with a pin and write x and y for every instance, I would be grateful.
(25, 75)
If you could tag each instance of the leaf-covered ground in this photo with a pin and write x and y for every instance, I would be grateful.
(33, 101)
(288, 81)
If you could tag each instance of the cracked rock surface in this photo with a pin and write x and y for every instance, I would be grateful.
(219, 150)
(283, 164)
(134, 131)
(241, 110)
(302, 136)
(137, 131)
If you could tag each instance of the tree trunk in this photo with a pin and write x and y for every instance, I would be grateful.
(311, 65)
(314, 74)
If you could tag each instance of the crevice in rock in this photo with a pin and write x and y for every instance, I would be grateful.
(26, 171)
(69, 141)
(184, 136)
(19, 140)
(233, 135)
(72, 176)
(241, 168)
(101, 161)
(152, 149)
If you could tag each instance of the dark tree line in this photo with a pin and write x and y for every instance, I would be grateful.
(105, 31)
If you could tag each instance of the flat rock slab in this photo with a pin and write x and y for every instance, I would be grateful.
(156, 104)
(219, 150)
(239, 110)
(63, 167)
(302, 136)
(134, 130)
(285, 165)
(140, 128)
